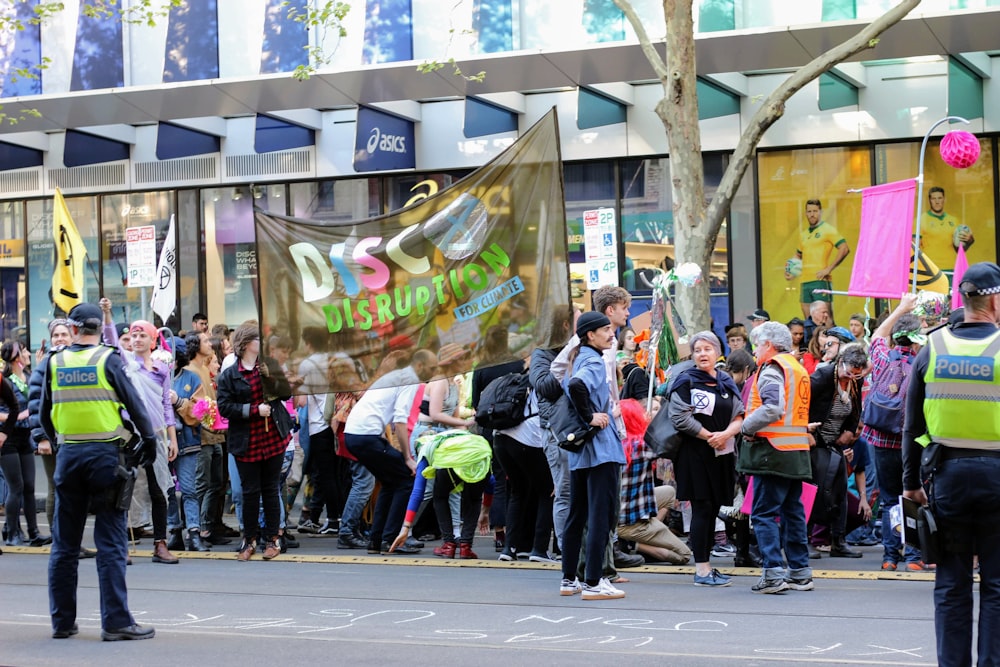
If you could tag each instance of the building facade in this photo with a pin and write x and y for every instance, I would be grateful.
(198, 118)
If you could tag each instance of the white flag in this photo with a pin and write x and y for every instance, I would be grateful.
(165, 295)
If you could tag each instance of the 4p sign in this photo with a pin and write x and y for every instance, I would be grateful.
(600, 245)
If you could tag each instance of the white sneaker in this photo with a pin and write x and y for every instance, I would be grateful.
(602, 591)
(568, 587)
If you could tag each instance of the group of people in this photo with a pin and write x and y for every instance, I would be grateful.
(757, 425)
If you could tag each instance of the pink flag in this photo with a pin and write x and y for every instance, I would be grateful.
(882, 262)
(961, 264)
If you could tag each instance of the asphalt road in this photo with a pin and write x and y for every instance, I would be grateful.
(317, 603)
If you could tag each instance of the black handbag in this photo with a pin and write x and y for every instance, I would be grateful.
(662, 437)
(568, 427)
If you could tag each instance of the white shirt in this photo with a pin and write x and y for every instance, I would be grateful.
(388, 401)
(528, 432)
(315, 383)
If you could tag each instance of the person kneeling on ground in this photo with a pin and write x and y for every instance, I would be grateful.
(644, 507)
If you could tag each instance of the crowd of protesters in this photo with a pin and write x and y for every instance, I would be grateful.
(232, 437)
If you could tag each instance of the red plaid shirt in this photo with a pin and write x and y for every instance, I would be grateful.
(879, 355)
(265, 441)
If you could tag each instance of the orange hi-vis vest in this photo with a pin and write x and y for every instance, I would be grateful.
(789, 433)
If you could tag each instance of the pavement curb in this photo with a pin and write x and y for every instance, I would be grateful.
(421, 561)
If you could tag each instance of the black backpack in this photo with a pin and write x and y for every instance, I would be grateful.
(502, 403)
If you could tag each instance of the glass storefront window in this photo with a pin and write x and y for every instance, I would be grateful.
(41, 259)
(342, 201)
(13, 297)
(189, 274)
(787, 180)
(648, 228)
(954, 200)
(130, 301)
(405, 189)
(589, 186)
(230, 254)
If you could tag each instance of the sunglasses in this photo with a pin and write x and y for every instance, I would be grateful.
(829, 344)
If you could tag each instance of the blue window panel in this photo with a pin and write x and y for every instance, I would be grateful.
(965, 91)
(25, 52)
(388, 31)
(715, 102)
(483, 118)
(18, 157)
(839, 10)
(174, 141)
(835, 93)
(285, 40)
(83, 149)
(192, 50)
(491, 21)
(716, 15)
(277, 135)
(97, 59)
(595, 110)
(603, 21)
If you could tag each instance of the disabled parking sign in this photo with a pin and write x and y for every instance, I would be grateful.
(600, 246)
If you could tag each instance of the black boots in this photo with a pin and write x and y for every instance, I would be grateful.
(195, 541)
(176, 541)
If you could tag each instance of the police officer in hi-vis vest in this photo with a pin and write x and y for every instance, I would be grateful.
(775, 451)
(953, 423)
(85, 392)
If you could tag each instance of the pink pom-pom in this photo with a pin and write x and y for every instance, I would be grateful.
(959, 149)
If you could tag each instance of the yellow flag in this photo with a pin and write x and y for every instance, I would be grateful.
(67, 280)
(929, 277)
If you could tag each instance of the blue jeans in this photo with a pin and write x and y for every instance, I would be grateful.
(85, 471)
(186, 466)
(390, 469)
(778, 499)
(237, 489)
(362, 485)
(559, 467)
(890, 487)
(965, 497)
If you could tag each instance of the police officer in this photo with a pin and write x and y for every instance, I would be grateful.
(83, 397)
(953, 410)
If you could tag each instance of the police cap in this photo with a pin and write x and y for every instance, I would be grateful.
(86, 315)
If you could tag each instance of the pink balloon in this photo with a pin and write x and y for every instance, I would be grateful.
(959, 149)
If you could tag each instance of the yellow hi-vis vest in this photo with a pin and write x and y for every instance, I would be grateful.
(962, 393)
(85, 407)
(789, 433)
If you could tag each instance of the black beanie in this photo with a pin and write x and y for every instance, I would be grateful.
(590, 321)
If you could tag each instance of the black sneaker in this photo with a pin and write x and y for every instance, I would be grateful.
(350, 542)
(769, 586)
(800, 584)
(401, 549)
(374, 548)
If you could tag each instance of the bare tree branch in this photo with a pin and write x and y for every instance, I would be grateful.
(658, 64)
(773, 106)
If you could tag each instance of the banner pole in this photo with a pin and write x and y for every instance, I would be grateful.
(920, 186)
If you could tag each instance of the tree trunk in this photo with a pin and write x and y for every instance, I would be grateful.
(679, 112)
(696, 226)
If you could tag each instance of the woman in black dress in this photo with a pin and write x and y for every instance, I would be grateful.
(705, 406)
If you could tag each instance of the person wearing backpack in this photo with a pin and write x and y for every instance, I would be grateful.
(894, 345)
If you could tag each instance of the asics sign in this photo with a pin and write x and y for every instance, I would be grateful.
(386, 142)
(383, 142)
